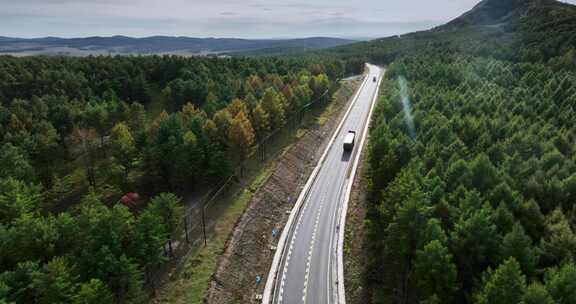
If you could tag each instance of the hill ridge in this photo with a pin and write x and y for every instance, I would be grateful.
(156, 45)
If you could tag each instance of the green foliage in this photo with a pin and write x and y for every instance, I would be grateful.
(93, 292)
(505, 285)
(436, 273)
(273, 105)
(55, 283)
(492, 164)
(560, 283)
(537, 294)
(518, 245)
(167, 206)
(17, 199)
(14, 163)
(123, 148)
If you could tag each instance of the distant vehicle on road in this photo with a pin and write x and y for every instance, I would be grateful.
(374, 79)
(349, 141)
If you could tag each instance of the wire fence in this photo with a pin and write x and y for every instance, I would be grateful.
(200, 218)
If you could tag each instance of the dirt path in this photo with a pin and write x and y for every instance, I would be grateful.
(248, 252)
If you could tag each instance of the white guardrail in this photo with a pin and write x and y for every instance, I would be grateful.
(288, 227)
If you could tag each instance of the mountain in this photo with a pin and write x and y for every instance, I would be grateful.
(501, 12)
(155, 45)
(516, 30)
(490, 12)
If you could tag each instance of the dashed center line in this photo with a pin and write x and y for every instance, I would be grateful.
(289, 254)
(311, 251)
(290, 249)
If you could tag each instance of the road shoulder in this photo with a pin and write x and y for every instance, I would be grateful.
(355, 258)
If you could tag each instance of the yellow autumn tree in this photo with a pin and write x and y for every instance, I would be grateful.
(236, 106)
(241, 135)
(261, 120)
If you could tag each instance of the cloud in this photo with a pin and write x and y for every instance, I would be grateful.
(247, 18)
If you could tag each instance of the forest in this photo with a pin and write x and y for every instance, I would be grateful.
(472, 161)
(473, 200)
(76, 134)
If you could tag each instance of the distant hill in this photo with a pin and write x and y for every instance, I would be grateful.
(122, 45)
(490, 12)
(517, 30)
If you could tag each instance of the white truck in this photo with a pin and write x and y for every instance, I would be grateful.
(349, 141)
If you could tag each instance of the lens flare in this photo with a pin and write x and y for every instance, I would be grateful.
(405, 98)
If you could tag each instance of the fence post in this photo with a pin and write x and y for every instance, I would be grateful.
(186, 228)
(263, 149)
(204, 227)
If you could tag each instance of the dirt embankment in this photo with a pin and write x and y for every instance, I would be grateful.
(248, 253)
(354, 253)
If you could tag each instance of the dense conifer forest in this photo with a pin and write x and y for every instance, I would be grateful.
(473, 165)
(78, 133)
(477, 205)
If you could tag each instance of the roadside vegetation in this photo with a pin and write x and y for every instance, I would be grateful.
(472, 166)
(75, 136)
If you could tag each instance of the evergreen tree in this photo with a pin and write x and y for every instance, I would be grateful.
(518, 245)
(505, 285)
(561, 283)
(537, 294)
(435, 272)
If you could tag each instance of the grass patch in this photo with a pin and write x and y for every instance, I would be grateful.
(192, 282)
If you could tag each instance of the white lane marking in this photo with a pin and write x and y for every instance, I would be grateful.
(269, 289)
(331, 247)
(311, 250)
(289, 254)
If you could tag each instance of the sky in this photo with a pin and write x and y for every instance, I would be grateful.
(225, 18)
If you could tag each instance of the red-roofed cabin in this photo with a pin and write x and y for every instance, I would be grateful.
(130, 199)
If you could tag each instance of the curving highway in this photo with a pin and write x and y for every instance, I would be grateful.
(307, 265)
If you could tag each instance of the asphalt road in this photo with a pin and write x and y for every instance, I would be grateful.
(308, 270)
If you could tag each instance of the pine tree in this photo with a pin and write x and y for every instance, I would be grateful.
(123, 148)
(519, 245)
(15, 163)
(435, 272)
(93, 292)
(505, 285)
(56, 283)
(561, 283)
(537, 294)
